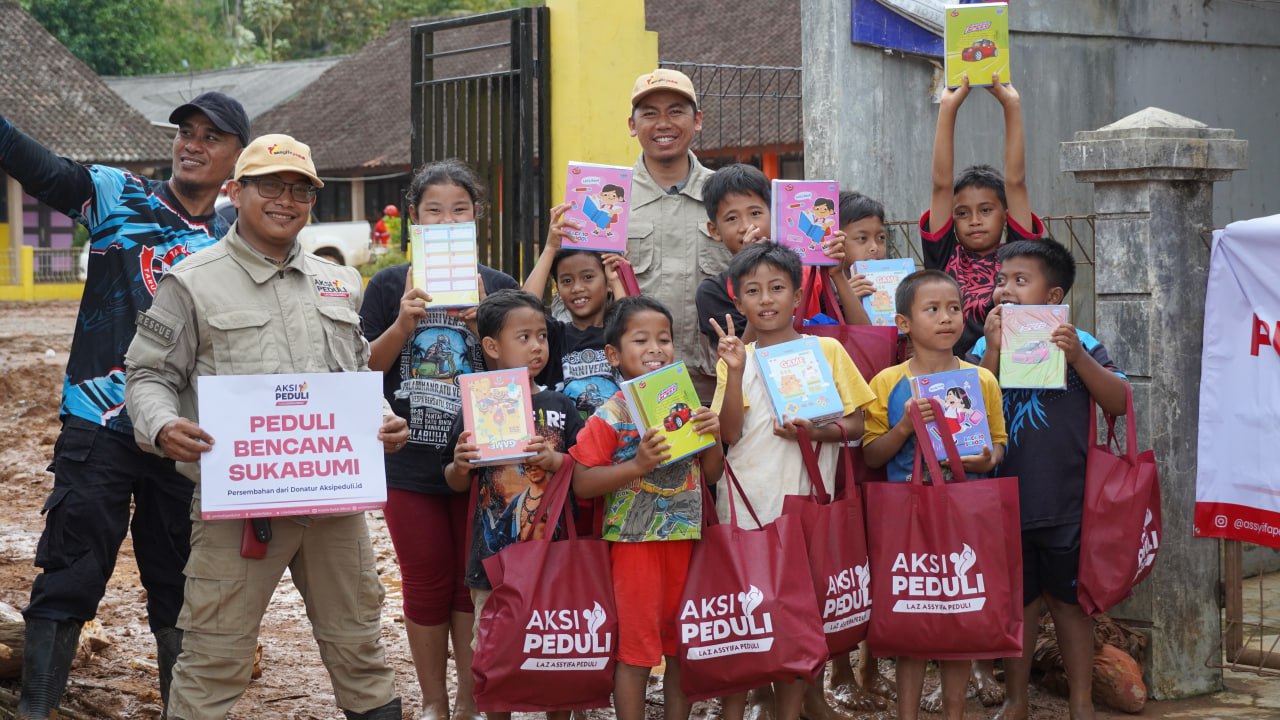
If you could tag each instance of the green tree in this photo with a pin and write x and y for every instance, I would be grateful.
(136, 37)
(267, 15)
(131, 37)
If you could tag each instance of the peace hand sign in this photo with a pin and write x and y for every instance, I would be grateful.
(730, 347)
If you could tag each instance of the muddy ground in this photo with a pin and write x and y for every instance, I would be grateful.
(120, 682)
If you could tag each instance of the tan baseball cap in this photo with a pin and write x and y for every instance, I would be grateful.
(276, 153)
(663, 79)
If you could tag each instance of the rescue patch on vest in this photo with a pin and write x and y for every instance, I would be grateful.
(155, 327)
(331, 288)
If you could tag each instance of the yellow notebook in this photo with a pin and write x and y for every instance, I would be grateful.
(665, 399)
(976, 42)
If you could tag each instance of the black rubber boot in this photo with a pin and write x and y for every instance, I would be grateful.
(390, 711)
(46, 663)
(168, 648)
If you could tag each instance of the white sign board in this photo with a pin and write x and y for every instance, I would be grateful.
(301, 444)
(1237, 488)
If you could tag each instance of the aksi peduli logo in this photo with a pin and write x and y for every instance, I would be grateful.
(292, 394)
(1150, 544)
(937, 583)
(724, 625)
(567, 640)
(848, 600)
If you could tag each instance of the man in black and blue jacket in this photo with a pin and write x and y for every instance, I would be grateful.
(138, 229)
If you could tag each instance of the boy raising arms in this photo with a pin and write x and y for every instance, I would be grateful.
(766, 283)
(929, 312)
(1047, 451)
(513, 334)
(980, 210)
(969, 215)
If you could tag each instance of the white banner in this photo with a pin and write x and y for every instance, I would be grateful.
(303, 444)
(1237, 481)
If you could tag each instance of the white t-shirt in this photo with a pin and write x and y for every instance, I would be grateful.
(769, 467)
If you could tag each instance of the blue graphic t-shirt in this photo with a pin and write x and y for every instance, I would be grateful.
(422, 384)
(578, 366)
(137, 231)
(1048, 442)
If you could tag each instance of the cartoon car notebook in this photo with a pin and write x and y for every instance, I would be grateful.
(665, 399)
(1027, 357)
(446, 263)
(498, 412)
(598, 197)
(799, 382)
(976, 43)
(804, 213)
(964, 414)
(886, 275)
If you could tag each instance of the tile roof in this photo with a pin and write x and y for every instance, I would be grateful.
(258, 87)
(355, 116)
(744, 32)
(58, 100)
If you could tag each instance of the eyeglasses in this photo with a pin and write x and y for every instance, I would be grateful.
(272, 189)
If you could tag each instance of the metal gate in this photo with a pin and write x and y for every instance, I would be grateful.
(480, 94)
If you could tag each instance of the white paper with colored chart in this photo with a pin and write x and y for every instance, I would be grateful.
(446, 262)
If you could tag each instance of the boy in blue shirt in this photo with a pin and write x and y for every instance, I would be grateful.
(1048, 443)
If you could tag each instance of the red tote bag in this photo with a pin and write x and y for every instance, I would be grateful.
(871, 348)
(946, 562)
(836, 541)
(548, 633)
(1120, 529)
(748, 615)
(627, 275)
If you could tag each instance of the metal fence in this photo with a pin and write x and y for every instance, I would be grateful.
(746, 106)
(1074, 231)
(10, 266)
(57, 265)
(480, 93)
(1250, 640)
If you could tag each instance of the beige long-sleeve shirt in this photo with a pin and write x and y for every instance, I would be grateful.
(671, 250)
(227, 310)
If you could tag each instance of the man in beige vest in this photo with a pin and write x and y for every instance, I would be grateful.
(668, 244)
(255, 303)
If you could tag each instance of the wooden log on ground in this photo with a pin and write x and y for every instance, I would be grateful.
(93, 639)
(12, 635)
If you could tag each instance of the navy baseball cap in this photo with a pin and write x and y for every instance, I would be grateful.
(225, 112)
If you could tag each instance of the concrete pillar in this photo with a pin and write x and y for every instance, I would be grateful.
(1152, 174)
(357, 199)
(598, 49)
(14, 194)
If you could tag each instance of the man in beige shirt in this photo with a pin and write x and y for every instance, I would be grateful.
(668, 244)
(255, 303)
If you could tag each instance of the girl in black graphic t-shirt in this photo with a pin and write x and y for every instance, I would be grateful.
(421, 352)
